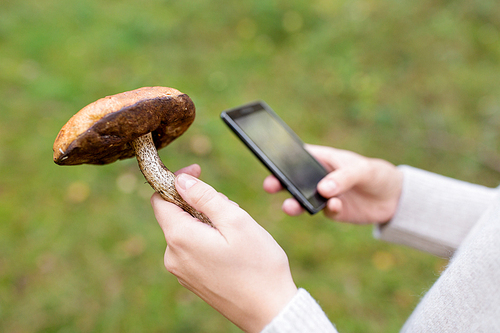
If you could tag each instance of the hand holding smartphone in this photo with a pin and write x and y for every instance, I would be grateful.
(280, 150)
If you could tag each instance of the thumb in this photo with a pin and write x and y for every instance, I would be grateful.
(340, 181)
(205, 198)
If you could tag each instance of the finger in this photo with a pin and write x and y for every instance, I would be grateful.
(272, 184)
(180, 229)
(193, 170)
(166, 213)
(206, 199)
(347, 169)
(231, 201)
(324, 155)
(328, 186)
(342, 180)
(292, 207)
(333, 208)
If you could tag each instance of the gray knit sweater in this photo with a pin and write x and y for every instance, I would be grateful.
(448, 218)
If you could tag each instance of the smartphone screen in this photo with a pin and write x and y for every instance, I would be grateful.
(281, 151)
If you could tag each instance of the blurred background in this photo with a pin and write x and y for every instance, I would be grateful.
(413, 82)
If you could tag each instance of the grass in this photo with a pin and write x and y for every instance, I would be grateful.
(412, 82)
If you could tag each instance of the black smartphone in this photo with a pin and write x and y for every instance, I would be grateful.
(280, 150)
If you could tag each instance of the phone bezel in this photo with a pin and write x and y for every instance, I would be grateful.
(313, 204)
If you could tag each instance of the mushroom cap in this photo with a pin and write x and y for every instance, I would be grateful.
(102, 132)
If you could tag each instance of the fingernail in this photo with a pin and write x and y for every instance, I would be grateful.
(185, 181)
(328, 186)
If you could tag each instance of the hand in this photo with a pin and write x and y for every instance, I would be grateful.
(237, 267)
(358, 189)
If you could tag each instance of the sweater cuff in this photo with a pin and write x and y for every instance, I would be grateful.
(435, 213)
(301, 315)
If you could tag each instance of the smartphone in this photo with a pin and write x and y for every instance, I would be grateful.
(280, 150)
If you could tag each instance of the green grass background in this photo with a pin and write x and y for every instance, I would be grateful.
(413, 82)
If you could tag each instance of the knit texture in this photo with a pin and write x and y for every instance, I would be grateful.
(302, 314)
(466, 298)
(435, 213)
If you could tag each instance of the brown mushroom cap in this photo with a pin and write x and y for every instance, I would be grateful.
(101, 132)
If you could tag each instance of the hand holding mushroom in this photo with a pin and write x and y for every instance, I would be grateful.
(137, 122)
(236, 267)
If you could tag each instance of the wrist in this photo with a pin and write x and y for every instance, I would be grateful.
(387, 184)
(268, 309)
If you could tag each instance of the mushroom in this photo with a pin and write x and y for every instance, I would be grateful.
(137, 122)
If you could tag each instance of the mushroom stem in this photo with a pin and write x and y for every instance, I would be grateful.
(161, 179)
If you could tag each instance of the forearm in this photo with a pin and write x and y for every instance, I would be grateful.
(435, 213)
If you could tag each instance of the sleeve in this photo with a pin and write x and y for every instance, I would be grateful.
(301, 315)
(435, 213)
(466, 297)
